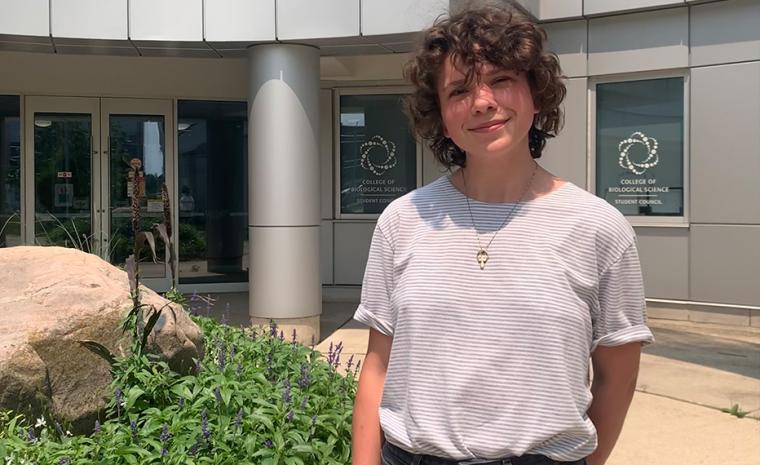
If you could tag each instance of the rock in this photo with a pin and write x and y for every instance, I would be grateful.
(52, 297)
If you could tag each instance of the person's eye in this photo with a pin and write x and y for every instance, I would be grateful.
(457, 91)
(502, 79)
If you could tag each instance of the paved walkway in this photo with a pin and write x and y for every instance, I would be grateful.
(692, 372)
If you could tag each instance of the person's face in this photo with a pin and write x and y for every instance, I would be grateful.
(490, 117)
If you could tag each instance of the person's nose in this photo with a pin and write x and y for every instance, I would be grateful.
(484, 100)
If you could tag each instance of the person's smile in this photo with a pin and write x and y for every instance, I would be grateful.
(490, 126)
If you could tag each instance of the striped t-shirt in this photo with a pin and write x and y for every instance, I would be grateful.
(494, 363)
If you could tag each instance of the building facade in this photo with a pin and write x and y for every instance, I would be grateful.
(277, 129)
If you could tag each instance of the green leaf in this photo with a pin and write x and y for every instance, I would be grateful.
(149, 327)
(305, 448)
(263, 419)
(293, 461)
(100, 350)
(133, 393)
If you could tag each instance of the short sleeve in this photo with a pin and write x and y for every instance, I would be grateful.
(621, 314)
(375, 308)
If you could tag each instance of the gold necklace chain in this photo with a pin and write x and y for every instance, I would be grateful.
(482, 255)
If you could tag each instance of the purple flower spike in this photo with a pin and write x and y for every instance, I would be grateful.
(30, 435)
(97, 426)
(294, 336)
(286, 392)
(358, 367)
(204, 425)
(220, 359)
(313, 340)
(350, 362)
(164, 433)
(303, 381)
(268, 444)
(133, 428)
(282, 335)
(290, 416)
(218, 395)
(239, 418)
(118, 398)
(303, 403)
(64, 461)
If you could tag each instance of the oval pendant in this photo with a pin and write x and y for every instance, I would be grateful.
(482, 258)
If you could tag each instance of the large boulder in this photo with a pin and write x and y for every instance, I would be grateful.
(51, 298)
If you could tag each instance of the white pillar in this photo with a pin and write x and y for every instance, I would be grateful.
(284, 195)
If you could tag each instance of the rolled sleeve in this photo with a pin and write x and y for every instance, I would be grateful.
(375, 309)
(621, 316)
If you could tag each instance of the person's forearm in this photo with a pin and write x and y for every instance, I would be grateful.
(608, 410)
(367, 436)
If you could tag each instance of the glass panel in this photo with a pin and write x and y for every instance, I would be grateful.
(378, 156)
(10, 171)
(639, 146)
(62, 180)
(139, 140)
(213, 202)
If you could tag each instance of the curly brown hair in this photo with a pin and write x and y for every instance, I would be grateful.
(502, 37)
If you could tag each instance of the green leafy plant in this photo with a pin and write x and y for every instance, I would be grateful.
(735, 410)
(255, 398)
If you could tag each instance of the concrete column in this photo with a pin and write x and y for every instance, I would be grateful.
(284, 195)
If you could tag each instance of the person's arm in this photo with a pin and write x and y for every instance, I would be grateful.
(367, 437)
(615, 372)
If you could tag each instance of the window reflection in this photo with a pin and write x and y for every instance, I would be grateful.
(136, 140)
(378, 155)
(639, 146)
(213, 200)
(62, 180)
(10, 171)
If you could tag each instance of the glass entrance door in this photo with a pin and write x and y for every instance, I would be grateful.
(135, 135)
(79, 153)
(62, 172)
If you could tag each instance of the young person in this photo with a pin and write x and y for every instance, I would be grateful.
(488, 290)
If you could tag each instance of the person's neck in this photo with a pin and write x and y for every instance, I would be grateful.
(498, 179)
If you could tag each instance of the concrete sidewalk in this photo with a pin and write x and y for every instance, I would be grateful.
(693, 371)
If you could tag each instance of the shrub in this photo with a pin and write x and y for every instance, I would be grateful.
(256, 398)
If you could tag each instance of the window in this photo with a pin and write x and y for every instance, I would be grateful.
(10, 171)
(639, 142)
(213, 192)
(378, 155)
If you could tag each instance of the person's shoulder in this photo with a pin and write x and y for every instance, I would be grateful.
(610, 229)
(595, 206)
(404, 209)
